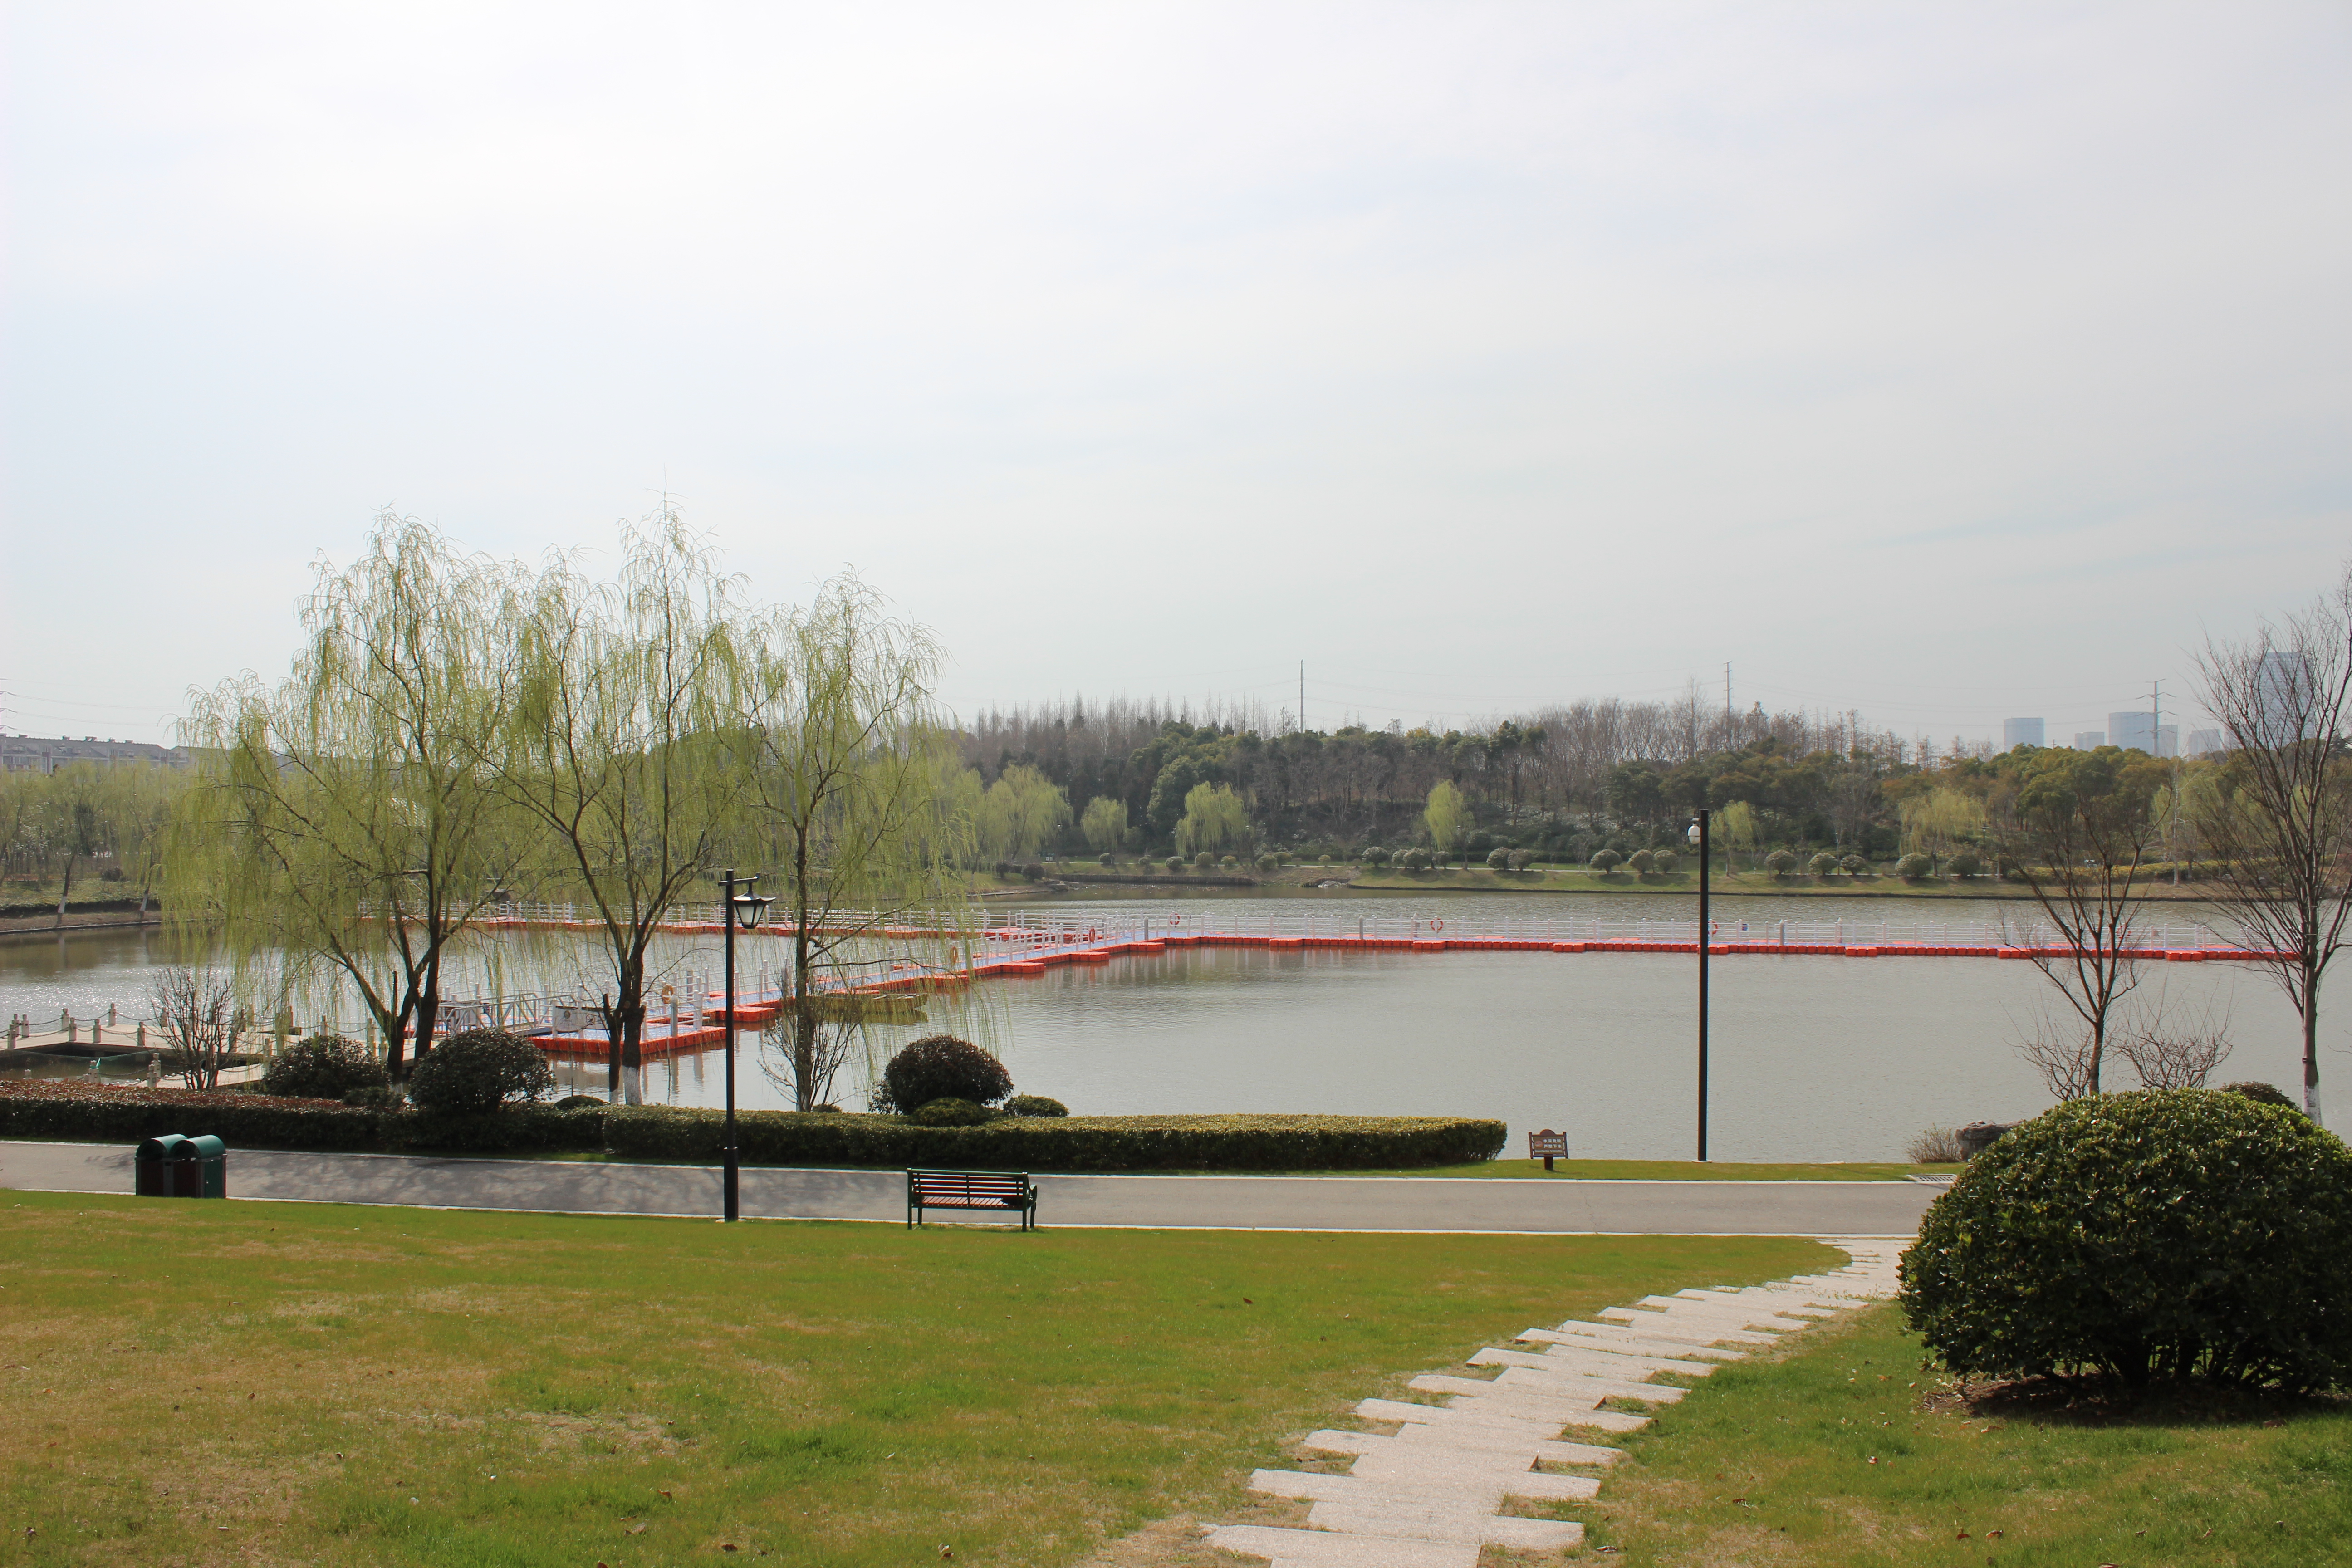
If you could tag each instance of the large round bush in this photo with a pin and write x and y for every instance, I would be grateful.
(478, 1070)
(2164, 1233)
(941, 1067)
(325, 1066)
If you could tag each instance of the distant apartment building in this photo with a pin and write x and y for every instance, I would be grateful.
(2016, 732)
(2085, 741)
(47, 754)
(2206, 743)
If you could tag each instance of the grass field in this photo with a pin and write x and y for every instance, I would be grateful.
(1773, 1464)
(214, 1384)
(1484, 1169)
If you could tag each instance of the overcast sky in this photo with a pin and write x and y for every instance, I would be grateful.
(1951, 362)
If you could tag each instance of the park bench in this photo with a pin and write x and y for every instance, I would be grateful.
(970, 1190)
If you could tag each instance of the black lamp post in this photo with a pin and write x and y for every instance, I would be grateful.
(1698, 839)
(745, 909)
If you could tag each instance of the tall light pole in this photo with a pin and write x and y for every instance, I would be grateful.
(746, 909)
(1699, 837)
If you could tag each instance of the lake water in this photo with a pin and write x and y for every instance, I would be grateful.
(1813, 1057)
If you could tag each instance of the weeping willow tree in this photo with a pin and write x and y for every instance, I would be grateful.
(341, 820)
(620, 749)
(858, 806)
(1215, 819)
(1941, 821)
(1105, 823)
(1020, 812)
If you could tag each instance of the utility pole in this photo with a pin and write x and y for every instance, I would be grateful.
(1727, 702)
(1302, 696)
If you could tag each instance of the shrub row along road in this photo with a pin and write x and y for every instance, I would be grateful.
(1226, 1202)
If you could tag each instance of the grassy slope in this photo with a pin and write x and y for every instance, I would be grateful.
(1771, 1464)
(255, 1383)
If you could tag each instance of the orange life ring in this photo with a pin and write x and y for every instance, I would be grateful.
(1437, 925)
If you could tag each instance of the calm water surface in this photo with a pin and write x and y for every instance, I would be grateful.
(1814, 1058)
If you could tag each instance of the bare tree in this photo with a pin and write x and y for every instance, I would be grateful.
(201, 1020)
(2077, 830)
(2176, 1058)
(2278, 827)
(2067, 1059)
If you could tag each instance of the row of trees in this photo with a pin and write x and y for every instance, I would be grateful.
(460, 732)
(56, 827)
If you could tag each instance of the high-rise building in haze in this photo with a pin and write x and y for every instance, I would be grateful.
(2089, 740)
(2283, 689)
(2133, 732)
(2015, 732)
(2205, 743)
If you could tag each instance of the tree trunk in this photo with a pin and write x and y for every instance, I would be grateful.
(65, 893)
(2311, 1041)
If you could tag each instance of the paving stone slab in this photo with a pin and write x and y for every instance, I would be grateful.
(1502, 1530)
(1435, 1493)
(1659, 1331)
(1779, 1306)
(1462, 1438)
(1577, 1385)
(1533, 1427)
(1612, 1337)
(1593, 1363)
(1321, 1549)
(1513, 1473)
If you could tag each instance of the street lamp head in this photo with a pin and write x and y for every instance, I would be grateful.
(751, 908)
(1692, 835)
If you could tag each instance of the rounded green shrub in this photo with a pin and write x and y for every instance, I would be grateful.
(1964, 863)
(1780, 862)
(1853, 864)
(1205, 860)
(1664, 861)
(2262, 1093)
(579, 1102)
(1375, 855)
(941, 1067)
(1035, 1105)
(1607, 861)
(2159, 1234)
(323, 1067)
(1914, 867)
(479, 1070)
(1175, 862)
(1498, 858)
(1823, 865)
(1415, 859)
(950, 1112)
(1641, 861)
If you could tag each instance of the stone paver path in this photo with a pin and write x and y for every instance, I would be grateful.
(1431, 1495)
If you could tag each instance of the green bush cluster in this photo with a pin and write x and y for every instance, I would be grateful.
(1062, 1143)
(2158, 1234)
(323, 1067)
(1035, 1105)
(941, 1067)
(479, 1070)
(1914, 867)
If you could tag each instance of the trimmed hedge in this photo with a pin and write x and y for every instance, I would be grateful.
(53, 1108)
(1063, 1143)
(69, 1109)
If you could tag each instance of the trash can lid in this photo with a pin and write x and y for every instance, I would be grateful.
(204, 1146)
(167, 1147)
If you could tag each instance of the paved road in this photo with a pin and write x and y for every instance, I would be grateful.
(1225, 1203)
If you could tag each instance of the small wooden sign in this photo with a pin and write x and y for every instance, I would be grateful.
(1545, 1145)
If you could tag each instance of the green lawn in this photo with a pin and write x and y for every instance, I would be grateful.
(1486, 1170)
(200, 1384)
(1772, 1464)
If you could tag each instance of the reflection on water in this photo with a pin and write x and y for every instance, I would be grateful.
(1814, 1058)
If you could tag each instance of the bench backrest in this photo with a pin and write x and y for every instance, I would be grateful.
(991, 1186)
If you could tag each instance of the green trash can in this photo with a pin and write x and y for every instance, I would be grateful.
(156, 1164)
(205, 1172)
